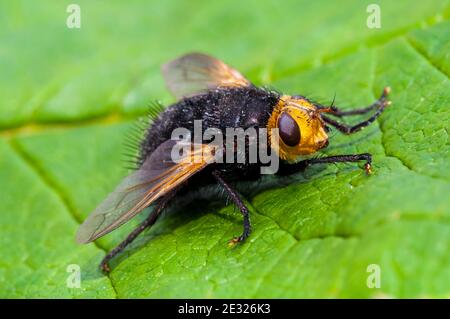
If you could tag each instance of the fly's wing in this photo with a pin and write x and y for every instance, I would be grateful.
(197, 72)
(158, 175)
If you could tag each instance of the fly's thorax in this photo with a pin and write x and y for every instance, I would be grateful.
(299, 128)
(243, 107)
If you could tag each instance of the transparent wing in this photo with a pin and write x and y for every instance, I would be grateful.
(197, 72)
(158, 175)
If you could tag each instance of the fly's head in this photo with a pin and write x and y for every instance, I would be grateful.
(301, 130)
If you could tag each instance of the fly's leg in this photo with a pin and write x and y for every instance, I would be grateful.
(364, 110)
(378, 103)
(239, 203)
(148, 222)
(287, 169)
(346, 129)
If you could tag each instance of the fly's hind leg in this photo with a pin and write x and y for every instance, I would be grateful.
(148, 222)
(239, 203)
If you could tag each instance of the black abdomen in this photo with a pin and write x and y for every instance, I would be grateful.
(219, 108)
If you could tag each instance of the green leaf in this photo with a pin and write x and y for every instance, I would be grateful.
(69, 97)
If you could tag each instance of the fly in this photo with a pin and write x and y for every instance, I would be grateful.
(210, 91)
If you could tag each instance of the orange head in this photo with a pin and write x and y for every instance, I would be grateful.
(300, 127)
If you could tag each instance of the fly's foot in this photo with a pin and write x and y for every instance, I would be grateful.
(104, 267)
(368, 168)
(236, 240)
(233, 242)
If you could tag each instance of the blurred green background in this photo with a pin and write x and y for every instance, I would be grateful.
(68, 98)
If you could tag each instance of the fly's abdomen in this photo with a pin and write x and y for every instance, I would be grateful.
(219, 108)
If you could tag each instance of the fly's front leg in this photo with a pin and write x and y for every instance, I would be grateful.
(378, 103)
(287, 169)
(347, 129)
(239, 203)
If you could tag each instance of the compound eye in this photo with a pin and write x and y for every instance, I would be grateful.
(289, 130)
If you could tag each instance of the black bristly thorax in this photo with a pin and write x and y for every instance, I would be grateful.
(219, 108)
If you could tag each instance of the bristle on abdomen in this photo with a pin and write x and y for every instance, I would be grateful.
(137, 133)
